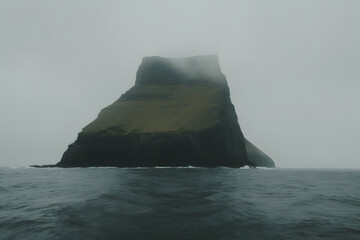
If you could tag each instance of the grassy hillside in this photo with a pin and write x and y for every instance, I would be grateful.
(153, 108)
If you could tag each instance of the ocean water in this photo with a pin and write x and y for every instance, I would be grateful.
(179, 203)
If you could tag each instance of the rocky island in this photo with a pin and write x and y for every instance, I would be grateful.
(178, 113)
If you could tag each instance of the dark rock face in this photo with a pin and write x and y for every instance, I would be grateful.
(179, 113)
(257, 157)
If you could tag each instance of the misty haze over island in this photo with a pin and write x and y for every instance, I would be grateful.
(178, 113)
(292, 68)
(150, 117)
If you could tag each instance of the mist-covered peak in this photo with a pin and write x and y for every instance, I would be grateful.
(155, 70)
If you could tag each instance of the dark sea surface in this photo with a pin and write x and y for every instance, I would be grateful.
(179, 203)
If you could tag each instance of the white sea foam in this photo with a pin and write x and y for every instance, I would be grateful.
(266, 168)
(102, 167)
(177, 167)
(245, 167)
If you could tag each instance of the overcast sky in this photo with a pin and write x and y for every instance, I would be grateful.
(293, 68)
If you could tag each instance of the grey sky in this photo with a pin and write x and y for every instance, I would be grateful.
(293, 68)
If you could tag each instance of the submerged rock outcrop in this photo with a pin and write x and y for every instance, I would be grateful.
(178, 113)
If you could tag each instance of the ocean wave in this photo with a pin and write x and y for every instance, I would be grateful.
(225, 203)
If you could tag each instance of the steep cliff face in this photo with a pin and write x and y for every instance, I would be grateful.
(178, 113)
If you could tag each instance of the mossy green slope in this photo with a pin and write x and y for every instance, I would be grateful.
(169, 108)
